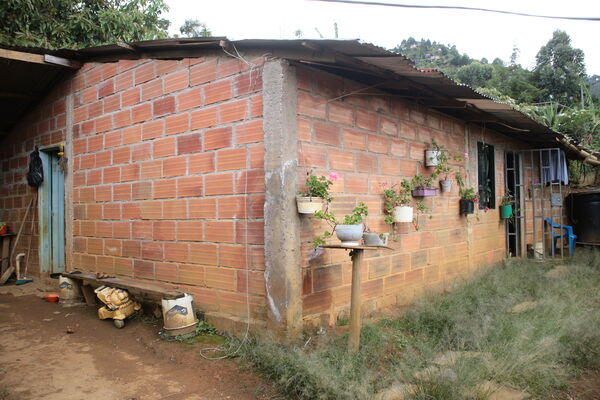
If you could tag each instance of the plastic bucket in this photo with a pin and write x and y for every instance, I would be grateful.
(70, 293)
(403, 214)
(432, 158)
(446, 185)
(467, 206)
(179, 316)
(505, 212)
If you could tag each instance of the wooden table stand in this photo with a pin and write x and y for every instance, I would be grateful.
(357, 255)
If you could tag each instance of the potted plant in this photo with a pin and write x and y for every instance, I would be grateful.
(432, 155)
(349, 231)
(423, 186)
(316, 194)
(398, 203)
(443, 168)
(468, 196)
(506, 210)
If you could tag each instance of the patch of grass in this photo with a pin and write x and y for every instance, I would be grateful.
(536, 351)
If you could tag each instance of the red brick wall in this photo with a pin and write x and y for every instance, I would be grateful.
(371, 140)
(45, 125)
(168, 157)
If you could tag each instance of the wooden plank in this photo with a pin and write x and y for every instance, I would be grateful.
(22, 56)
(7, 275)
(88, 294)
(355, 301)
(135, 287)
(63, 62)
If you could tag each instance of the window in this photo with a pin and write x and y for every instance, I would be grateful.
(486, 175)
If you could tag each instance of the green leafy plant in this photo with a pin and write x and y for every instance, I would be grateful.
(358, 214)
(507, 199)
(397, 197)
(444, 158)
(465, 193)
(420, 181)
(317, 186)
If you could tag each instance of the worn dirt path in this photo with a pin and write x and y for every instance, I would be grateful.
(39, 360)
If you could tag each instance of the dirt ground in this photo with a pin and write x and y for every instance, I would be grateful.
(39, 360)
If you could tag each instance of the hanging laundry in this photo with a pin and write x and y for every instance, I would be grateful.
(555, 167)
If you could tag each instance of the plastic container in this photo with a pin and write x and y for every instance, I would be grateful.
(466, 206)
(349, 235)
(51, 298)
(403, 214)
(584, 213)
(506, 212)
(70, 294)
(446, 185)
(309, 205)
(179, 316)
(432, 158)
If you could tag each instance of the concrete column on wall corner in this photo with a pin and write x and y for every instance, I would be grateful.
(69, 183)
(283, 275)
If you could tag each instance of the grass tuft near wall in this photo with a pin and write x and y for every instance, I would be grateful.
(538, 350)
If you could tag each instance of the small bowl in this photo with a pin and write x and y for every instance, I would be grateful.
(51, 298)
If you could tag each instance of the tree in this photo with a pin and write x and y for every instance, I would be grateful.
(475, 74)
(559, 69)
(194, 28)
(75, 24)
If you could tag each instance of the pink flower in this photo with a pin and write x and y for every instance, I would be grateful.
(475, 198)
(466, 155)
(384, 184)
(487, 209)
(333, 176)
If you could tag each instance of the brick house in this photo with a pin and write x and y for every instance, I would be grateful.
(184, 158)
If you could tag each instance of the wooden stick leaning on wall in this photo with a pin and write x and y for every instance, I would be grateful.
(31, 231)
(11, 268)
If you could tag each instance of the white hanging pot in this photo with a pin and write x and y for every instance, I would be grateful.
(432, 158)
(446, 185)
(403, 214)
(309, 205)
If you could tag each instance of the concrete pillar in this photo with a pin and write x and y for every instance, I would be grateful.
(69, 183)
(283, 275)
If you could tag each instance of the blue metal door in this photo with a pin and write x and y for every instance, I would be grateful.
(52, 215)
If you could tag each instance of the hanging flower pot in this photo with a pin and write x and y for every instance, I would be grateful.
(446, 185)
(424, 192)
(467, 206)
(432, 158)
(506, 212)
(309, 205)
(403, 214)
(349, 235)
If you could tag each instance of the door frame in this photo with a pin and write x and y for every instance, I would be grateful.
(50, 234)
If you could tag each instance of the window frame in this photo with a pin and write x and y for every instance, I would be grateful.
(486, 154)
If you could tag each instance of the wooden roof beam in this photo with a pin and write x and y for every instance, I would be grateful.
(44, 59)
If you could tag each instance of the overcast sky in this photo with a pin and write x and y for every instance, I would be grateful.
(479, 34)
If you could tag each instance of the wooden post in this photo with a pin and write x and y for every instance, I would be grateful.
(355, 322)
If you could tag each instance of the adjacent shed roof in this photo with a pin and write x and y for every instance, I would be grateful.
(366, 63)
